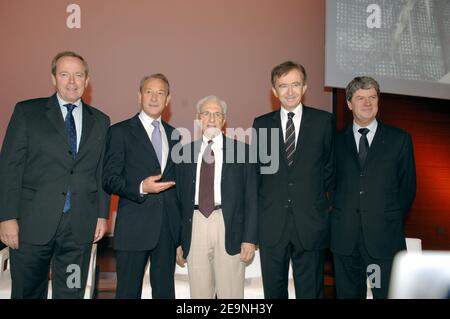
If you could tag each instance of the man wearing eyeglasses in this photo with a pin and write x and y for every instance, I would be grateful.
(293, 202)
(138, 167)
(216, 186)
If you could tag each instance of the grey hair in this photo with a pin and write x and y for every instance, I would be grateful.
(212, 98)
(159, 76)
(361, 82)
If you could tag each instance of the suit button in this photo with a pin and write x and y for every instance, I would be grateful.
(361, 175)
(289, 200)
(361, 192)
(291, 184)
(190, 220)
(193, 181)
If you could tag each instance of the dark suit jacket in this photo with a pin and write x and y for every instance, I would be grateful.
(238, 192)
(36, 171)
(304, 186)
(389, 185)
(129, 159)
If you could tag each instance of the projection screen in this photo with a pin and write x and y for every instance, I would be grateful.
(405, 45)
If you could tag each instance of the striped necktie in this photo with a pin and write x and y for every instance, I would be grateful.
(290, 139)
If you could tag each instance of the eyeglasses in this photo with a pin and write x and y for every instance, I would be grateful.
(216, 115)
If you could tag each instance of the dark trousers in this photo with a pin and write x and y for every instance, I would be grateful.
(308, 266)
(351, 273)
(130, 267)
(30, 266)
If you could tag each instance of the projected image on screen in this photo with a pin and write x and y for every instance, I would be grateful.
(405, 44)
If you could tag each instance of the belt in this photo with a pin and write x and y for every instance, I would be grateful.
(215, 207)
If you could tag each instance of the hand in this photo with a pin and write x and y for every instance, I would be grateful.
(180, 260)
(151, 185)
(9, 233)
(247, 252)
(100, 230)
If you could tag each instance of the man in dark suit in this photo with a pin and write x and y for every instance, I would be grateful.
(138, 167)
(52, 205)
(375, 187)
(216, 185)
(293, 198)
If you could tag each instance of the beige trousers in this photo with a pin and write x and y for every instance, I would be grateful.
(211, 270)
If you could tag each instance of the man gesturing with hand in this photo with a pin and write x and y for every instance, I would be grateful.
(139, 169)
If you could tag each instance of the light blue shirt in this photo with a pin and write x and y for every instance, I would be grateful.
(77, 115)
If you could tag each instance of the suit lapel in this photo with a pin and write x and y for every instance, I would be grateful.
(54, 115)
(171, 143)
(88, 123)
(195, 149)
(304, 127)
(225, 166)
(376, 148)
(138, 130)
(351, 144)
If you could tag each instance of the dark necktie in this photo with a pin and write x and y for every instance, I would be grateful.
(206, 187)
(363, 146)
(290, 139)
(72, 136)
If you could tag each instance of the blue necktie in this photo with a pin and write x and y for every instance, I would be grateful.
(156, 141)
(72, 135)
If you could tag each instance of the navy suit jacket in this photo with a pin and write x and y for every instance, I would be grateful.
(377, 198)
(129, 159)
(36, 170)
(304, 186)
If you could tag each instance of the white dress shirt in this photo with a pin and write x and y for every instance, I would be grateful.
(147, 123)
(217, 147)
(298, 111)
(77, 116)
(372, 130)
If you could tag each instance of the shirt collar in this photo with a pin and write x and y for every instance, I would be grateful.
(372, 127)
(147, 119)
(297, 111)
(217, 140)
(61, 102)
